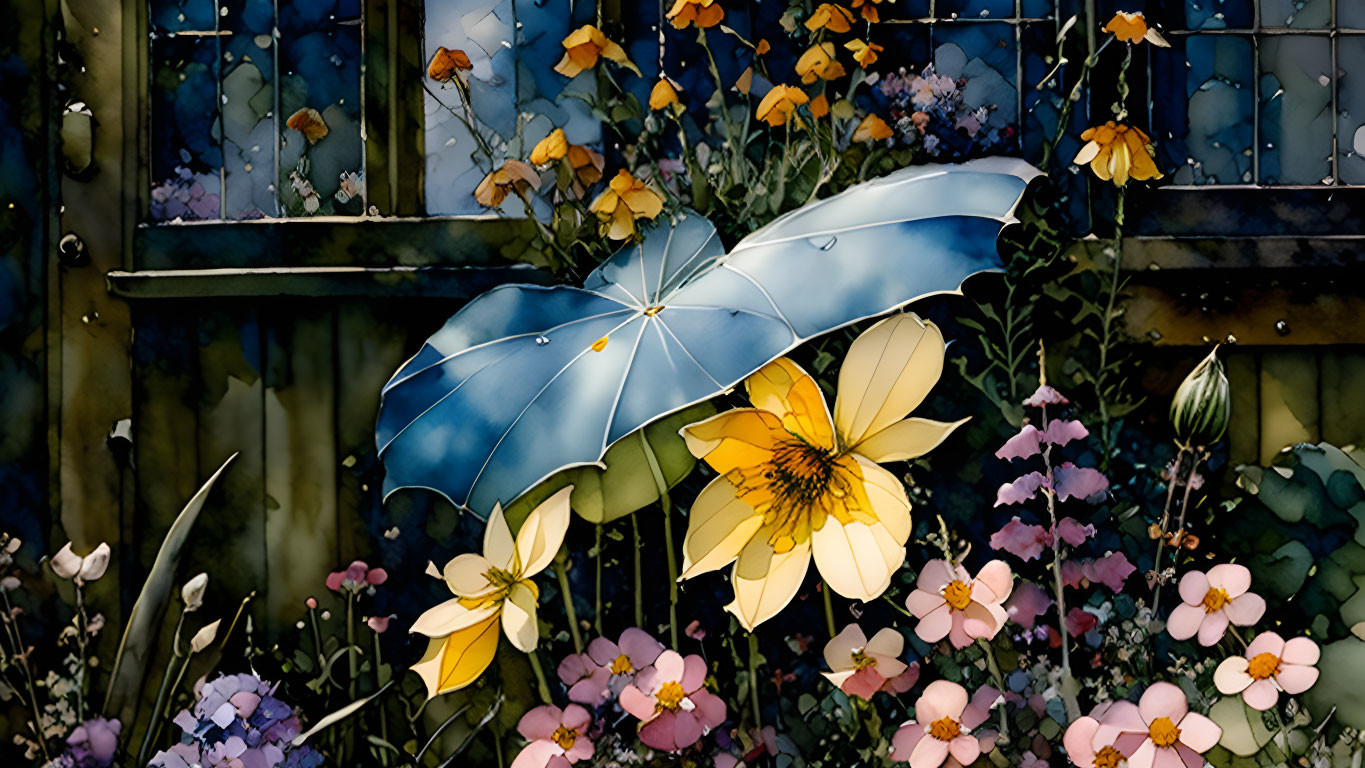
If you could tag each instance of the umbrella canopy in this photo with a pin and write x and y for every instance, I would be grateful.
(527, 380)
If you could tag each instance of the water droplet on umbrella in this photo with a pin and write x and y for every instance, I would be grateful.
(1282, 327)
(830, 244)
(542, 340)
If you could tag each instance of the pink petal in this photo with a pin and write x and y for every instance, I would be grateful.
(1045, 395)
(921, 603)
(1193, 587)
(1079, 741)
(591, 690)
(957, 635)
(694, 674)
(686, 729)
(1211, 631)
(1296, 678)
(582, 749)
(1072, 532)
(1198, 732)
(1061, 432)
(334, 580)
(540, 722)
(1020, 539)
(669, 666)
(1301, 650)
(641, 648)
(1027, 603)
(660, 732)
(637, 703)
(1246, 609)
(965, 749)
(997, 577)
(863, 683)
(1168, 757)
(1189, 757)
(1112, 570)
(936, 625)
(1184, 621)
(1071, 481)
(935, 575)
(1079, 621)
(929, 753)
(941, 698)
(1266, 642)
(537, 754)
(710, 708)
(1144, 756)
(604, 652)
(576, 718)
(1231, 578)
(1261, 695)
(979, 708)
(1019, 491)
(1163, 700)
(376, 576)
(1119, 718)
(904, 741)
(1231, 676)
(980, 621)
(1023, 445)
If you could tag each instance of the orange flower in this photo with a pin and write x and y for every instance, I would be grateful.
(872, 128)
(819, 107)
(835, 18)
(587, 167)
(865, 53)
(582, 48)
(445, 63)
(763, 47)
(625, 200)
(308, 122)
(663, 94)
(868, 8)
(513, 175)
(780, 105)
(550, 148)
(1117, 153)
(818, 62)
(1132, 28)
(703, 13)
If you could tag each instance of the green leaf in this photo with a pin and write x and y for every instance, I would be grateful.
(624, 483)
(1243, 731)
(337, 716)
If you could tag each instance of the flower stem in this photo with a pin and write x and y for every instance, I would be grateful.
(999, 679)
(12, 631)
(753, 680)
(541, 685)
(350, 643)
(639, 580)
(383, 718)
(82, 625)
(563, 575)
(597, 595)
(1165, 520)
(661, 485)
(829, 609)
(154, 725)
(1068, 684)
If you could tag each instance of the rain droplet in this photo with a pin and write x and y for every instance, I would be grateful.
(1154, 334)
(830, 244)
(1282, 327)
(542, 340)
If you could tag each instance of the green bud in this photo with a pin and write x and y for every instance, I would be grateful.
(1199, 412)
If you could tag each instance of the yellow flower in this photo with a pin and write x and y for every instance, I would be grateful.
(663, 94)
(309, 122)
(865, 53)
(490, 587)
(780, 104)
(818, 62)
(872, 128)
(550, 148)
(762, 47)
(582, 48)
(1132, 28)
(703, 13)
(797, 483)
(587, 167)
(835, 18)
(445, 63)
(625, 200)
(819, 106)
(1117, 153)
(868, 9)
(513, 175)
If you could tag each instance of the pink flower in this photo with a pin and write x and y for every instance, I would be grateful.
(1079, 621)
(379, 624)
(949, 603)
(1270, 666)
(672, 703)
(558, 738)
(1027, 603)
(1070, 530)
(904, 681)
(356, 577)
(1158, 731)
(635, 650)
(585, 679)
(1212, 601)
(1045, 395)
(941, 730)
(1021, 539)
(861, 667)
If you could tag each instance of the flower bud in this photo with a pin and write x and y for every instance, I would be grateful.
(66, 564)
(193, 592)
(1199, 412)
(94, 564)
(204, 637)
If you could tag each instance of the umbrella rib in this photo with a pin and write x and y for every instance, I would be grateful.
(616, 402)
(780, 314)
(674, 285)
(689, 354)
(453, 355)
(743, 246)
(530, 403)
(663, 264)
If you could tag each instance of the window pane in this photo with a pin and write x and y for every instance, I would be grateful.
(249, 112)
(976, 8)
(1220, 14)
(1351, 109)
(1296, 109)
(186, 155)
(1210, 142)
(1298, 14)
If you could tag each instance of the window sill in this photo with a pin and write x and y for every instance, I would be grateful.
(457, 283)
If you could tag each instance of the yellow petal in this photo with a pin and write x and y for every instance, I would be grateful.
(519, 618)
(718, 527)
(886, 497)
(450, 617)
(453, 662)
(644, 203)
(757, 600)
(568, 67)
(906, 439)
(1100, 165)
(782, 388)
(541, 535)
(1087, 153)
(1122, 161)
(856, 560)
(888, 371)
(741, 437)
(465, 575)
(498, 545)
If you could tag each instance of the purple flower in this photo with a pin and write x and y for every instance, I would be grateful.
(1072, 532)
(93, 744)
(1021, 539)
(237, 721)
(356, 577)
(1071, 481)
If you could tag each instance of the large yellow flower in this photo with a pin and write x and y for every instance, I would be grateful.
(796, 482)
(818, 62)
(703, 13)
(490, 587)
(582, 48)
(1118, 152)
(625, 200)
(779, 105)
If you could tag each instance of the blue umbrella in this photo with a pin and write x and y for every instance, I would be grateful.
(527, 380)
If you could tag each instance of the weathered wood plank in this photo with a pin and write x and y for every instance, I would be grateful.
(1244, 427)
(1343, 408)
(372, 282)
(1289, 400)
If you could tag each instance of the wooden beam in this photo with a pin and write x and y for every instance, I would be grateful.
(460, 283)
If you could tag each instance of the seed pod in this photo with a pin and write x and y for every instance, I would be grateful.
(193, 592)
(1199, 412)
(204, 637)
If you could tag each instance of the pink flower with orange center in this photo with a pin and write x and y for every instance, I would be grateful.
(1271, 665)
(941, 732)
(861, 667)
(1160, 730)
(950, 603)
(672, 703)
(1212, 601)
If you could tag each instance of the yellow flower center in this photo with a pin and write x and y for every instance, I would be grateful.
(565, 737)
(621, 665)
(1215, 599)
(1108, 757)
(669, 696)
(798, 490)
(502, 582)
(958, 594)
(1263, 665)
(861, 660)
(1163, 732)
(945, 729)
